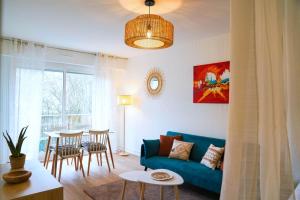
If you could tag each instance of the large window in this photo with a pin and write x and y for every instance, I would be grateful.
(52, 104)
(78, 101)
(67, 102)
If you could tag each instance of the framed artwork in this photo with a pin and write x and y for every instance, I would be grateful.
(211, 83)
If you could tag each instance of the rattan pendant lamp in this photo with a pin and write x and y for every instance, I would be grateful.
(149, 31)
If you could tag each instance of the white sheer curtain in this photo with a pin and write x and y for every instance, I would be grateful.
(22, 65)
(29, 105)
(105, 112)
(7, 95)
(257, 159)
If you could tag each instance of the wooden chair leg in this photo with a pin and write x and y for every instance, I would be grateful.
(78, 159)
(82, 153)
(48, 158)
(110, 152)
(97, 155)
(60, 167)
(81, 166)
(89, 163)
(101, 158)
(52, 167)
(112, 160)
(75, 163)
(53, 164)
(107, 161)
(47, 150)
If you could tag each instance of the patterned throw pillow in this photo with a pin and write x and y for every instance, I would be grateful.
(212, 156)
(181, 150)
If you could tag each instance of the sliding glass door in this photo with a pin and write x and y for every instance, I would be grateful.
(78, 109)
(52, 103)
(66, 102)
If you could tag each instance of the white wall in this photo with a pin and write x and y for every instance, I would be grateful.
(174, 109)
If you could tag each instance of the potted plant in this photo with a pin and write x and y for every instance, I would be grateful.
(17, 159)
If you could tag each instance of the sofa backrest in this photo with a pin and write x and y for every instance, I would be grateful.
(201, 144)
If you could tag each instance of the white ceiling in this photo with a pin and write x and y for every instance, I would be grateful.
(98, 25)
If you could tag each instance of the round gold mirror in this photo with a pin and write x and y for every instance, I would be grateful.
(154, 82)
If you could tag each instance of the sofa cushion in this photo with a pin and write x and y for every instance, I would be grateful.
(181, 150)
(166, 143)
(192, 172)
(201, 144)
(151, 147)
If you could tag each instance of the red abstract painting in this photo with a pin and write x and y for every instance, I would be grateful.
(211, 83)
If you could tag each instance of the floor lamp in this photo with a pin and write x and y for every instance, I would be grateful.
(124, 100)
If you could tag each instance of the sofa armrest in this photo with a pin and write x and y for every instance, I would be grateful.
(150, 148)
(142, 150)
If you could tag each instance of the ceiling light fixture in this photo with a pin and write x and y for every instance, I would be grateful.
(149, 31)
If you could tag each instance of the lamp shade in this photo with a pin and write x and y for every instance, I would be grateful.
(124, 100)
(149, 31)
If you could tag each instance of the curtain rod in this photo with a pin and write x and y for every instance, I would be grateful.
(60, 48)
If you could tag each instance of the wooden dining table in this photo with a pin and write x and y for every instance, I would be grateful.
(56, 135)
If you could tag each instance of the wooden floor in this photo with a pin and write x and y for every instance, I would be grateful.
(74, 183)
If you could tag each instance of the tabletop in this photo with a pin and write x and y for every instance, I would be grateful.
(145, 177)
(132, 175)
(40, 181)
(56, 134)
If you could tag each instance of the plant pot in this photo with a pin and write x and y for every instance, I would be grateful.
(17, 162)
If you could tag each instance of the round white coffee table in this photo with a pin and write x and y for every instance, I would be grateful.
(145, 178)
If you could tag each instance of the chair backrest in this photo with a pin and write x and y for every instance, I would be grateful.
(98, 140)
(70, 143)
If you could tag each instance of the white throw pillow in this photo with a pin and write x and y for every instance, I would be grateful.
(212, 156)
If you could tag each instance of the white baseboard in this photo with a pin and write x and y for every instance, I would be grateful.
(133, 152)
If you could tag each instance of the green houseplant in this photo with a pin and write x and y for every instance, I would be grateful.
(17, 159)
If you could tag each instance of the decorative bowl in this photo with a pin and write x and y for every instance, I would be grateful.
(161, 176)
(16, 176)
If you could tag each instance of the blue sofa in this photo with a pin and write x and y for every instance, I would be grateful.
(192, 171)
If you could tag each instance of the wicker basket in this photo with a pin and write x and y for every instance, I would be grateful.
(17, 163)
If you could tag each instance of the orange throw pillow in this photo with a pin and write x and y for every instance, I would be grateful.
(166, 143)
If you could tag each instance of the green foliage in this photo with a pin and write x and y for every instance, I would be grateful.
(16, 149)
